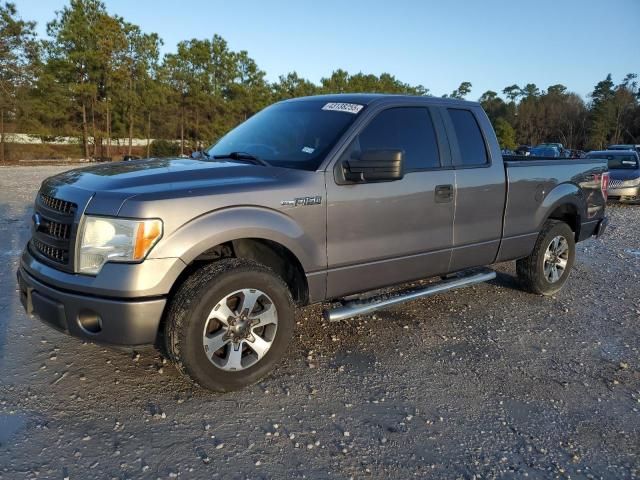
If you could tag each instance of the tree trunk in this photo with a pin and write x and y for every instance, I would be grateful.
(108, 129)
(1, 135)
(93, 125)
(148, 133)
(182, 131)
(85, 131)
(618, 130)
(130, 111)
(130, 130)
(197, 129)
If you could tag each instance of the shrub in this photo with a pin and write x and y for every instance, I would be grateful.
(164, 148)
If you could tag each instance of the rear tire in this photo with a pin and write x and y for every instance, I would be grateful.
(229, 323)
(547, 269)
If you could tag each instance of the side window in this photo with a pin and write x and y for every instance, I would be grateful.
(473, 150)
(404, 128)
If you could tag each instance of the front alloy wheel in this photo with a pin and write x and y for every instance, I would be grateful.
(240, 329)
(229, 324)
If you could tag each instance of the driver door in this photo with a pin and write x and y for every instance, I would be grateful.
(384, 233)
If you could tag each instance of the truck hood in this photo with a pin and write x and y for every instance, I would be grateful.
(159, 174)
(108, 186)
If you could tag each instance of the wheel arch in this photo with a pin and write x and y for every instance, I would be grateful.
(564, 203)
(263, 235)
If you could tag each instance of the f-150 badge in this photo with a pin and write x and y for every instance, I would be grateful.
(302, 201)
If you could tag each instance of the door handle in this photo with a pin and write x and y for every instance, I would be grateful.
(444, 193)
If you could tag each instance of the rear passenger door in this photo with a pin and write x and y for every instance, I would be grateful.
(480, 187)
(380, 234)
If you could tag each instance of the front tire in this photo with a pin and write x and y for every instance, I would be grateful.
(547, 269)
(229, 323)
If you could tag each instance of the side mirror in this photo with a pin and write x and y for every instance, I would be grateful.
(375, 166)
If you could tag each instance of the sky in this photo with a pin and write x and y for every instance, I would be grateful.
(437, 44)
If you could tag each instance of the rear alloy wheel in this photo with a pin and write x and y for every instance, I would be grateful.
(548, 267)
(229, 324)
(556, 259)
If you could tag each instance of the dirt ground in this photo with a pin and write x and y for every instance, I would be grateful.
(487, 382)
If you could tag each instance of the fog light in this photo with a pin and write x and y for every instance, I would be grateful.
(90, 321)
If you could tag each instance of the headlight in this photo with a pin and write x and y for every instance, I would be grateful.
(104, 239)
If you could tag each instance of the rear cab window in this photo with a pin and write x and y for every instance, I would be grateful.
(617, 161)
(473, 150)
(409, 129)
(620, 162)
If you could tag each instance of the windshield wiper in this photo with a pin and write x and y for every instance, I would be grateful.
(243, 157)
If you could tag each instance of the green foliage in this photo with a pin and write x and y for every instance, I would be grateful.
(291, 86)
(341, 82)
(512, 92)
(18, 51)
(164, 148)
(530, 91)
(18, 56)
(615, 112)
(505, 133)
(494, 106)
(462, 91)
(99, 77)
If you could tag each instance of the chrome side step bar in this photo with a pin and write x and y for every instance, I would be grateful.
(355, 308)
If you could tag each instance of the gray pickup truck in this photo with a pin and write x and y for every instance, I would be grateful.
(318, 199)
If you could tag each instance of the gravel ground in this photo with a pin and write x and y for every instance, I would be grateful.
(485, 382)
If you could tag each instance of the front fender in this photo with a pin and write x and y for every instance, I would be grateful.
(234, 223)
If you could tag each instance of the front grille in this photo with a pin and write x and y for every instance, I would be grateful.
(58, 205)
(56, 254)
(60, 231)
(615, 183)
(53, 231)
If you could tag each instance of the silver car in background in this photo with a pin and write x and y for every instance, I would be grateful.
(624, 174)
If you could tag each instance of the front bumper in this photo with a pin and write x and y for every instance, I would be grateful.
(122, 322)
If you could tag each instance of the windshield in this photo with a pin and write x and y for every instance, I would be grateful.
(618, 162)
(295, 134)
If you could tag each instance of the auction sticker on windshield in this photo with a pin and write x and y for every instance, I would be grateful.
(343, 107)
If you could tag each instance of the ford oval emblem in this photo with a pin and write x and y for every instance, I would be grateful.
(37, 220)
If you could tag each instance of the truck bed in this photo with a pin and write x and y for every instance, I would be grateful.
(536, 184)
(521, 160)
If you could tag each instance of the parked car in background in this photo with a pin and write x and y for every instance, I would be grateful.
(550, 152)
(624, 174)
(559, 146)
(523, 150)
(562, 151)
(625, 146)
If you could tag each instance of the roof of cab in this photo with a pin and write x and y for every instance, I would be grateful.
(369, 98)
(613, 152)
